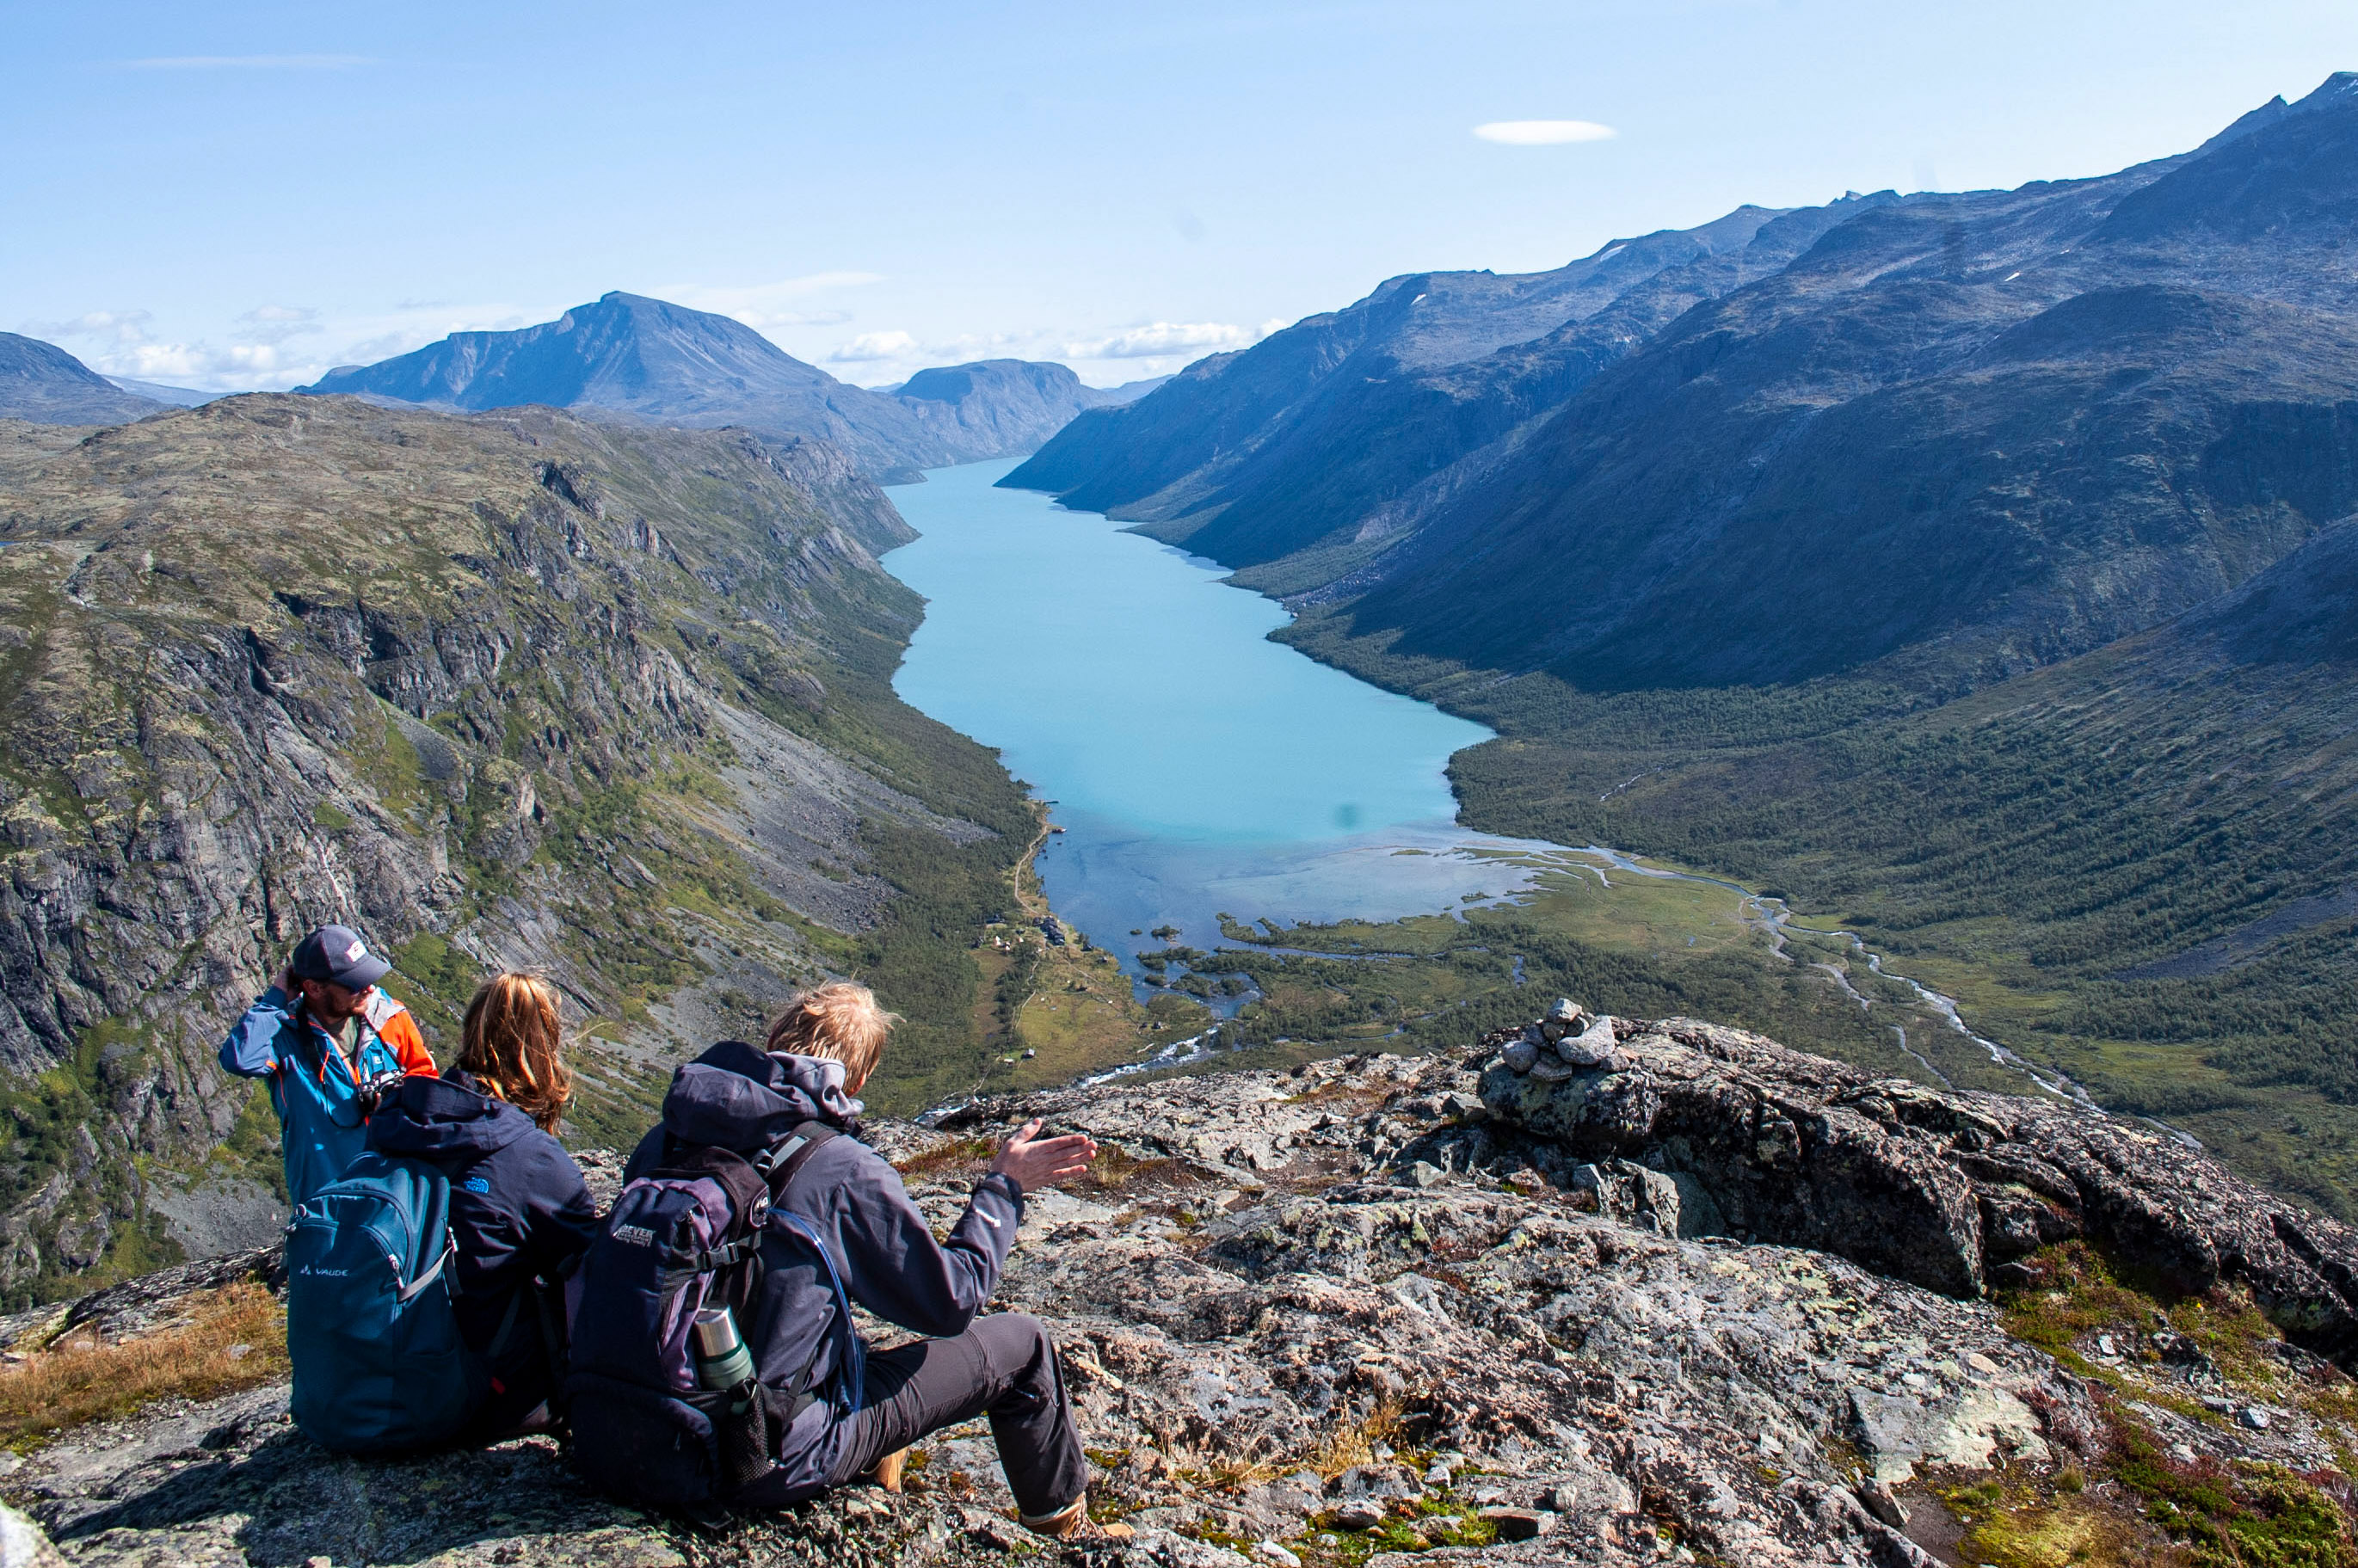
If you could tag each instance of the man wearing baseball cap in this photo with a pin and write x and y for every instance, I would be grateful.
(329, 1044)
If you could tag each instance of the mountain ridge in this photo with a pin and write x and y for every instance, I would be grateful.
(1976, 580)
(42, 383)
(1657, 453)
(626, 354)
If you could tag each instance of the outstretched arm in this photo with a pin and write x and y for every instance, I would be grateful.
(900, 1272)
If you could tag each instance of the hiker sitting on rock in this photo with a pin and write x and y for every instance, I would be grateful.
(329, 1044)
(520, 1213)
(800, 1405)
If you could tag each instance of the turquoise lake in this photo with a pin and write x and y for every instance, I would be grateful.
(1195, 766)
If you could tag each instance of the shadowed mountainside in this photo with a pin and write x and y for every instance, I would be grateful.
(43, 383)
(1253, 455)
(1969, 433)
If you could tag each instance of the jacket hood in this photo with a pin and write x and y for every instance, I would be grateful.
(444, 1117)
(742, 1097)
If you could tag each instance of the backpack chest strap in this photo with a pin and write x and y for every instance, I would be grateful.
(711, 1259)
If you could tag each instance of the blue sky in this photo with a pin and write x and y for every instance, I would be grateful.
(234, 194)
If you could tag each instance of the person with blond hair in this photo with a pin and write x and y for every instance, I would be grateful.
(838, 1411)
(521, 1215)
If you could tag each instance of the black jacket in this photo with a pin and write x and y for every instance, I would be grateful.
(518, 1206)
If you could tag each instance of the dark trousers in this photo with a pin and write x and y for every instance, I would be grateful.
(1005, 1367)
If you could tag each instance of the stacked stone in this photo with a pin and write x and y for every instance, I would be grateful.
(1566, 1041)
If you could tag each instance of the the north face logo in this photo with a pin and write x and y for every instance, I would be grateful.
(634, 1235)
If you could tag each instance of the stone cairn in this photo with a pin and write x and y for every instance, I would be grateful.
(1567, 1040)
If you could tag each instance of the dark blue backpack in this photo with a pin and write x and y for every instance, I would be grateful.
(681, 1238)
(374, 1342)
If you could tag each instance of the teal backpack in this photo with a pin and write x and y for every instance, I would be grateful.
(378, 1362)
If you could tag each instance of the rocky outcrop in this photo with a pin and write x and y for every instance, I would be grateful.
(1267, 1331)
(1327, 1314)
(1950, 1190)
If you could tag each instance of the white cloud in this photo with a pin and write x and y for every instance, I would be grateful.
(276, 323)
(115, 328)
(1158, 340)
(249, 62)
(871, 346)
(766, 305)
(1545, 133)
(272, 346)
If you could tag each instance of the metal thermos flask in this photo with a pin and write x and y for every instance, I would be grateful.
(721, 1359)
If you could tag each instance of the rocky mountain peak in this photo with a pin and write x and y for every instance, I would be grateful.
(628, 355)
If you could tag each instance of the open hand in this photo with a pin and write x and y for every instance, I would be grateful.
(1043, 1162)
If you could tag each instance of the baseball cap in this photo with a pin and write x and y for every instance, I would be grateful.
(336, 954)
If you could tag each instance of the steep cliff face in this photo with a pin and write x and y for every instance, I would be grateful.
(610, 703)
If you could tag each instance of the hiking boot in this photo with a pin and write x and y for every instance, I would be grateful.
(887, 1472)
(1072, 1523)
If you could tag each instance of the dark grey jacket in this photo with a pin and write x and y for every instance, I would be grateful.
(745, 1099)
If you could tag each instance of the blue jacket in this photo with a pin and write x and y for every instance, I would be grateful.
(311, 1084)
(745, 1099)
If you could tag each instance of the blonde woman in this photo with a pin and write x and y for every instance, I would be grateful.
(820, 1053)
(519, 1210)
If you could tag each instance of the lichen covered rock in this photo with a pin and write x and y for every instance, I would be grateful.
(1948, 1189)
(1334, 1302)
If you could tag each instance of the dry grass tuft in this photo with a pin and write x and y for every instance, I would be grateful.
(957, 1153)
(231, 1338)
(1354, 1442)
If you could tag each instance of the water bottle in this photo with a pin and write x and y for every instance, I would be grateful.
(722, 1362)
(724, 1365)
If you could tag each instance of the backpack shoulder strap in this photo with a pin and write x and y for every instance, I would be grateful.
(785, 1160)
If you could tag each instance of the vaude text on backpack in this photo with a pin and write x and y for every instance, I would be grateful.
(681, 1238)
(377, 1359)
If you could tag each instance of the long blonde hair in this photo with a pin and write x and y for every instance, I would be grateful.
(513, 1046)
(840, 1022)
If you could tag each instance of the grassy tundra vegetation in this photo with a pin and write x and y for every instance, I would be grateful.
(2136, 865)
